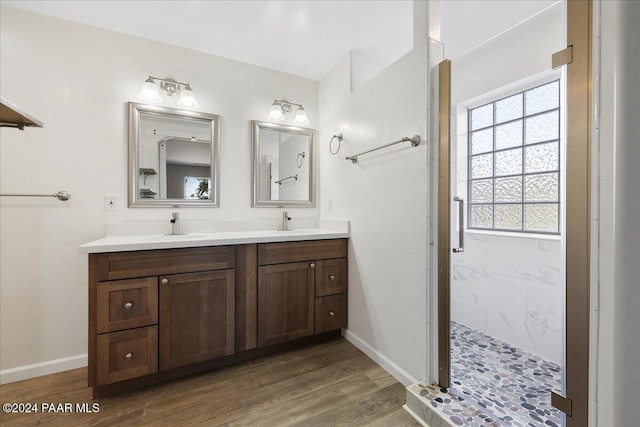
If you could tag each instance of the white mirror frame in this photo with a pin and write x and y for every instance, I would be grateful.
(134, 176)
(256, 126)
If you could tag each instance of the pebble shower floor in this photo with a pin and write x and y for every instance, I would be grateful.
(495, 384)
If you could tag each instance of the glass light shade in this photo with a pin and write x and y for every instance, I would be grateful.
(188, 98)
(301, 117)
(149, 92)
(276, 113)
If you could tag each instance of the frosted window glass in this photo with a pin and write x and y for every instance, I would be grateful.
(508, 217)
(509, 189)
(482, 141)
(541, 158)
(509, 108)
(541, 217)
(509, 162)
(509, 135)
(542, 98)
(482, 166)
(482, 117)
(482, 216)
(482, 191)
(541, 188)
(545, 127)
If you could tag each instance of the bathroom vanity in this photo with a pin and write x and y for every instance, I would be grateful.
(161, 307)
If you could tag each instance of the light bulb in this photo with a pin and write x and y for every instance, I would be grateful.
(188, 98)
(276, 113)
(149, 92)
(301, 117)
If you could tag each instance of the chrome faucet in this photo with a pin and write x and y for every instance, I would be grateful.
(285, 220)
(175, 225)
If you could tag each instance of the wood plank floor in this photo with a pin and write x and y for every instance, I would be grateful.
(329, 384)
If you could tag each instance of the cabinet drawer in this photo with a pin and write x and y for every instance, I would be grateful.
(331, 313)
(125, 304)
(127, 354)
(126, 265)
(279, 253)
(331, 277)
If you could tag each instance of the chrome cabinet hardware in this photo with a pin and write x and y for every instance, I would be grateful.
(128, 306)
(331, 313)
(164, 281)
(128, 356)
(312, 265)
(332, 277)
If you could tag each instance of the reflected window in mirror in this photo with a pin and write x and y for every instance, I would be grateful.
(283, 169)
(173, 157)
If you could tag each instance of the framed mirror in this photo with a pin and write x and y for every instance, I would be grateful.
(283, 165)
(173, 157)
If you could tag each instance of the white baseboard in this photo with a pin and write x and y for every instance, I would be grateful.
(384, 362)
(44, 368)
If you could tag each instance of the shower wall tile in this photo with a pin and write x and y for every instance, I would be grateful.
(470, 315)
(545, 305)
(511, 288)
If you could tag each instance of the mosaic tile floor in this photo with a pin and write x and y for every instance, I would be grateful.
(495, 384)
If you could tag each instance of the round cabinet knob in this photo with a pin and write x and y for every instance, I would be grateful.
(164, 281)
(312, 265)
(331, 313)
(128, 306)
(128, 356)
(332, 277)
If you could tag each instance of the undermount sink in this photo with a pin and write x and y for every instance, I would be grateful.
(293, 231)
(156, 238)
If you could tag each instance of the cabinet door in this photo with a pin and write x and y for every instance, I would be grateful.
(196, 317)
(285, 302)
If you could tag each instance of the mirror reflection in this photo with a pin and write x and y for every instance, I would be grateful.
(282, 165)
(173, 157)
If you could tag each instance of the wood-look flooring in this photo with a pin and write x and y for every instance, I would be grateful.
(329, 384)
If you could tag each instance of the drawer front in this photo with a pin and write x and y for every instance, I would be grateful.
(127, 354)
(331, 277)
(280, 253)
(125, 304)
(126, 265)
(331, 313)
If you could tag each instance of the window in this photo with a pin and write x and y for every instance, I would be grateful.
(514, 162)
(196, 188)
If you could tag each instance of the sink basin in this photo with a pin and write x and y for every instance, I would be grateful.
(160, 238)
(293, 231)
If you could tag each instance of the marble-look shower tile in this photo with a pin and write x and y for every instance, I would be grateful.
(531, 259)
(469, 314)
(545, 305)
(547, 342)
(505, 295)
(475, 252)
(511, 329)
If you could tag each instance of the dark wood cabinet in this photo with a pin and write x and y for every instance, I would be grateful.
(156, 315)
(196, 317)
(285, 302)
(302, 289)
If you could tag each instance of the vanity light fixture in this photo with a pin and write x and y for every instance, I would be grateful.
(281, 108)
(170, 87)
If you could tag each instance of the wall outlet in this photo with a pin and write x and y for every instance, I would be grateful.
(110, 202)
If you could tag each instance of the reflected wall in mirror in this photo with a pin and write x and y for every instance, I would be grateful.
(283, 170)
(173, 157)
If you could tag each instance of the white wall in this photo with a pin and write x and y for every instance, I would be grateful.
(616, 287)
(385, 197)
(78, 79)
(508, 286)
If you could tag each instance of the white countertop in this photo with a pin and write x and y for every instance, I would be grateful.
(161, 241)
